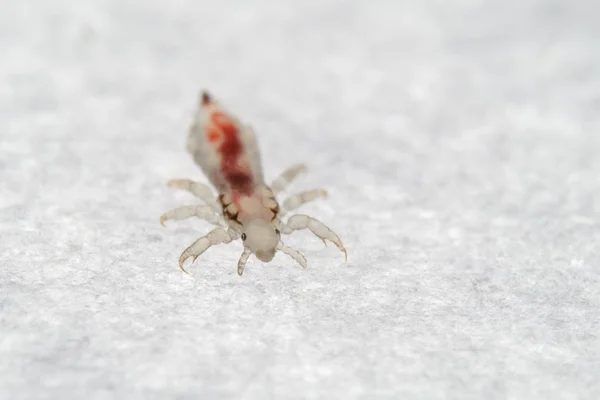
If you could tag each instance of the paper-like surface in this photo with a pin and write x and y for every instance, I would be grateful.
(460, 147)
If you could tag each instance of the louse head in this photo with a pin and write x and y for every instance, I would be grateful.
(261, 238)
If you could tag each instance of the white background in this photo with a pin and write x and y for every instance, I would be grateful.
(459, 142)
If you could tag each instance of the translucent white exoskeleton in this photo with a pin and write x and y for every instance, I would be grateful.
(245, 208)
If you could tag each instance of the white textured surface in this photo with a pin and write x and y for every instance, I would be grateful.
(460, 144)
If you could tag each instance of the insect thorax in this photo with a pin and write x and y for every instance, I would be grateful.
(260, 205)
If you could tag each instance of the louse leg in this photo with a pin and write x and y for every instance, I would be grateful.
(295, 254)
(301, 221)
(198, 189)
(212, 238)
(286, 177)
(203, 212)
(295, 201)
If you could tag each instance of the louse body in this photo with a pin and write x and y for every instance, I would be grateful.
(246, 207)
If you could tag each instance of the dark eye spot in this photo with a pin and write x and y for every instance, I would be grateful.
(243, 236)
(277, 231)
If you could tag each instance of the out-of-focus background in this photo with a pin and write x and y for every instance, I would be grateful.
(459, 143)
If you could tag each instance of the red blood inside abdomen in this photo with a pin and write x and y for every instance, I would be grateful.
(236, 176)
